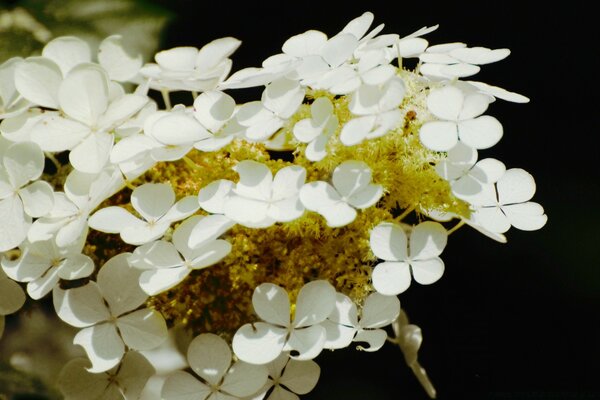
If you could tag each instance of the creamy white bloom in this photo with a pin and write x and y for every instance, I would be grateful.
(125, 381)
(304, 336)
(352, 188)
(211, 359)
(316, 130)
(11, 101)
(459, 115)
(343, 325)
(43, 264)
(109, 313)
(155, 203)
(288, 378)
(403, 257)
(22, 195)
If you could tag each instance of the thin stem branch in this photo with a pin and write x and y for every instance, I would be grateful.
(166, 98)
(190, 163)
(56, 163)
(405, 213)
(456, 227)
(194, 94)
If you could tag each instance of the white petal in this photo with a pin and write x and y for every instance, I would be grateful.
(55, 133)
(15, 223)
(76, 266)
(40, 287)
(152, 200)
(118, 283)
(80, 307)
(255, 180)
(439, 135)
(350, 177)
(258, 343)
(23, 162)
(500, 92)
(31, 263)
(92, 154)
(12, 297)
(279, 393)
(481, 133)
(212, 197)
(118, 62)
(488, 170)
(300, 376)
(283, 97)
(209, 228)
(492, 219)
(178, 129)
(112, 220)
(38, 198)
(18, 128)
(427, 240)
(356, 130)
(244, 379)
(271, 304)
(460, 70)
(213, 109)
(474, 105)
(103, 346)
(379, 311)
(76, 383)
(210, 254)
(286, 210)
(287, 182)
(67, 52)
(317, 149)
(446, 103)
(133, 374)
(427, 271)
(181, 210)
(209, 357)
(214, 52)
(391, 278)
(157, 281)
(339, 49)
(131, 147)
(183, 386)
(479, 55)
(315, 195)
(375, 339)
(143, 329)
(37, 79)
(83, 95)
(338, 215)
(337, 336)
(412, 47)
(306, 130)
(366, 197)
(316, 301)
(515, 186)
(248, 212)
(177, 58)
(122, 109)
(526, 216)
(307, 43)
(389, 242)
(159, 254)
(306, 343)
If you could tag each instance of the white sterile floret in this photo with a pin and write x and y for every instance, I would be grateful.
(352, 188)
(466, 175)
(214, 110)
(42, 264)
(155, 203)
(22, 196)
(108, 311)
(303, 335)
(403, 257)
(258, 200)
(187, 68)
(343, 325)
(459, 115)
(12, 298)
(194, 246)
(123, 382)
(11, 101)
(317, 130)
(90, 116)
(288, 378)
(68, 218)
(377, 111)
(456, 60)
(507, 203)
(211, 359)
(280, 100)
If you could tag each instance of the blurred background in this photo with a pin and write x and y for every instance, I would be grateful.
(507, 321)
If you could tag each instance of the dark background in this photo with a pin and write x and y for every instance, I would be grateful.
(512, 321)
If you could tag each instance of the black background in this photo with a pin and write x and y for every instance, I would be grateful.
(513, 321)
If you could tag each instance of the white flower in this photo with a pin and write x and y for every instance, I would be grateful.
(91, 115)
(288, 378)
(377, 108)
(466, 175)
(155, 202)
(507, 203)
(258, 200)
(20, 200)
(280, 100)
(11, 102)
(459, 115)
(177, 129)
(304, 336)
(42, 264)
(210, 358)
(316, 130)
(12, 298)
(456, 60)
(109, 315)
(195, 246)
(352, 188)
(214, 110)
(187, 68)
(448, 216)
(125, 381)
(67, 220)
(120, 64)
(343, 325)
(403, 257)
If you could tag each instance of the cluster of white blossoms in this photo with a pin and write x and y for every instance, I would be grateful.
(140, 219)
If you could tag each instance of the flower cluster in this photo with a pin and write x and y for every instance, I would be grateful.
(269, 230)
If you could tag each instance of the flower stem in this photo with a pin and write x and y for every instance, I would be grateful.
(424, 380)
(194, 94)
(166, 99)
(56, 163)
(405, 213)
(456, 227)
(194, 165)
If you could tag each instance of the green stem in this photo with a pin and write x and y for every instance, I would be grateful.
(166, 99)
(405, 213)
(456, 227)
